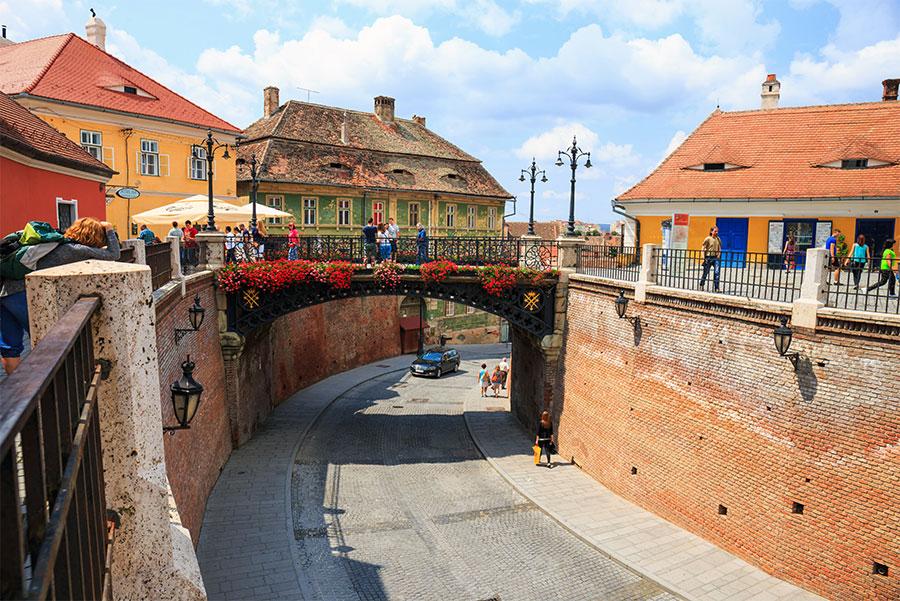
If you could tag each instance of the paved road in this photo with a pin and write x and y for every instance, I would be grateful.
(391, 500)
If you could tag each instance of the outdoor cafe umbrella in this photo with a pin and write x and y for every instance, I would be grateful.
(195, 209)
(263, 211)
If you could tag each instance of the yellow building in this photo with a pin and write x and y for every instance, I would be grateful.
(762, 175)
(148, 134)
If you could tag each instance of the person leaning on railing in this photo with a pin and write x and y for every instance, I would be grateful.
(889, 265)
(87, 238)
(712, 251)
(421, 244)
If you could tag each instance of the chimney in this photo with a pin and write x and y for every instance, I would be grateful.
(270, 101)
(890, 89)
(384, 108)
(345, 138)
(95, 31)
(419, 120)
(771, 92)
(3, 39)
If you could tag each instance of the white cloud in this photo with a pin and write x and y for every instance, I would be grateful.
(545, 146)
(677, 139)
(861, 23)
(643, 13)
(333, 26)
(485, 15)
(27, 20)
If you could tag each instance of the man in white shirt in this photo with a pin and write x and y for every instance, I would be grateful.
(176, 232)
(504, 371)
(229, 245)
(393, 232)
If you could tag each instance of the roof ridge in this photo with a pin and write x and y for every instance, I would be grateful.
(52, 60)
(471, 159)
(871, 104)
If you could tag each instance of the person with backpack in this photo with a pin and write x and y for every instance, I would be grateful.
(484, 379)
(40, 247)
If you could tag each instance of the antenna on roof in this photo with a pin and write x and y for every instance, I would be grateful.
(308, 92)
(93, 14)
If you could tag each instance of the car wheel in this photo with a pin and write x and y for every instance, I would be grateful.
(438, 373)
(455, 367)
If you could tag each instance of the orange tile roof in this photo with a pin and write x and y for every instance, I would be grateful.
(780, 151)
(69, 69)
(28, 135)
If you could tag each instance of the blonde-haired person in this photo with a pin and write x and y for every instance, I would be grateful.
(545, 437)
(87, 238)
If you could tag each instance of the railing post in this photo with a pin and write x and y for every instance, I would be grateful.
(567, 246)
(153, 557)
(175, 257)
(140, 250)
(647, 275)
(212, 250)
(813, 289)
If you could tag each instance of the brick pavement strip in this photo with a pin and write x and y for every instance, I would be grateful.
(653, 548)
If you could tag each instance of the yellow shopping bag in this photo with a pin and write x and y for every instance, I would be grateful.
(537, 454)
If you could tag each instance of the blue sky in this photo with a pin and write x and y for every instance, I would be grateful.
(506, 80)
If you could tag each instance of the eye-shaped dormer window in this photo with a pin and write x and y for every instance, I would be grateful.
(855, 163)
(715, 167)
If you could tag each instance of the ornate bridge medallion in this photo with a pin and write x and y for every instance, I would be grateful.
(251, 298)
(532, 300)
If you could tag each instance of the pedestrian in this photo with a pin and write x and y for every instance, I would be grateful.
(421, 244)
(240, 231)
(790, 253)
(496, 380)
(889, 265)
(712, 253)
(293, 242)
(230, 243)
(859, 259)
(176, 232)
(545, 438)
(87, 238)
(146, 235)
(833, 246)
(384, 242)
(191, 247)
(484, 379)
(369, 233)
(504, 371)
(393, 231)
(244, 252)
(259, 234)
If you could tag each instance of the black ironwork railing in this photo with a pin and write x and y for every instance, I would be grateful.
(537, 254)
(615, 262)
(764, 276)
(54, 533)
(865, 284)
(159, 260)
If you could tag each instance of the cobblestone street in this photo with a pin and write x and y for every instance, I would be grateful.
(392, 500)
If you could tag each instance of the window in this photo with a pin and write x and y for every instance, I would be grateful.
(470, 309)
(492, 218)
(451, 215)
(92, 141)
(66, 213)
(449, 308)
(309, 211)
(854, 163)
(714, 166)
(149, 157)
(198, 163)
(413, 214)
(344, 206)
(378, 212)
(129, 89)
(472, 218)
(276, 202)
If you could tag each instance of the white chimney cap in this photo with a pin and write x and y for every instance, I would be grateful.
(95, 31)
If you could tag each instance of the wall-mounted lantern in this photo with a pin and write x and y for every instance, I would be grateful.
(186, 393)
(622, 307)
(195, 315)
(783, 337)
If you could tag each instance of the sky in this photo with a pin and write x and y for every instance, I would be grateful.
(505, 80)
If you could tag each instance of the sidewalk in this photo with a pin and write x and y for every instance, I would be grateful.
(684, 563)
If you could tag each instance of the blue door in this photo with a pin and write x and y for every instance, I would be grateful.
(733, 232)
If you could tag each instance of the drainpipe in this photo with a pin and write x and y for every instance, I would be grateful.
(617, 208)
(127, 133)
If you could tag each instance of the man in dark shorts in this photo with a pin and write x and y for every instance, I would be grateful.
(369, 232)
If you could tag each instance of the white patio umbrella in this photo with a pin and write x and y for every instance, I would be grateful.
(194, 208)
(264, 211)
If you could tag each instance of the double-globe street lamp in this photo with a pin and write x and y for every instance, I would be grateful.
(573, 154)
(212, 145)
(532, 172)
(254, 182)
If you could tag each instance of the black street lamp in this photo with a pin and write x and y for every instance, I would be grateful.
(195, 314)
(533, 172)
(783, 336)
(622, 306)
(212, 145)
(254, 182)
(186, 393)
(573, 154)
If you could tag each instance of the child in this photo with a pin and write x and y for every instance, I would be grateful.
(484, 379)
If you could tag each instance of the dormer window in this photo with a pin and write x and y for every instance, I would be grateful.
(400, 172)
(724, 166)
(336, 165)
(129, 90)
(714, 166)
(854, 163)
(452, 176)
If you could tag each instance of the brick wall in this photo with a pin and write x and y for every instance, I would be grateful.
(709, 414)
(194, 457)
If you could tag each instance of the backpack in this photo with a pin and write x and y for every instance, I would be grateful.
(20, 251)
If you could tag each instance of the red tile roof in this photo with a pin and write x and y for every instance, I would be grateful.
(70, 69)
(780, 152)
(22, 132)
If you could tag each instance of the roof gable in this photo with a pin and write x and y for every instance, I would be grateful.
(69, 69)
(780, 150)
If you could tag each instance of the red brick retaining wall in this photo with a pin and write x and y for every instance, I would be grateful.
(710, 415)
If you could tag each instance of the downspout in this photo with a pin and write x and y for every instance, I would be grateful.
(503, 224)
(128, 132)
(617, 208)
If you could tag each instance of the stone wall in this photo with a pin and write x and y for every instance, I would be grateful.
(194, 457)
(698, 419)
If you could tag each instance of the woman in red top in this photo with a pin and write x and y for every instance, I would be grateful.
(293, 242)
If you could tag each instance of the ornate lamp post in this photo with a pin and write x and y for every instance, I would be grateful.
(532, 172)
(573, 154)
(254, 182)
(212, 145)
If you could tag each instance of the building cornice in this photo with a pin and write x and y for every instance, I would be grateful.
(37, 163)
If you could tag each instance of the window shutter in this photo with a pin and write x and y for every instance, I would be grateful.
(137, 163)
(109, 156)
(190, 172)
(164, 164)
